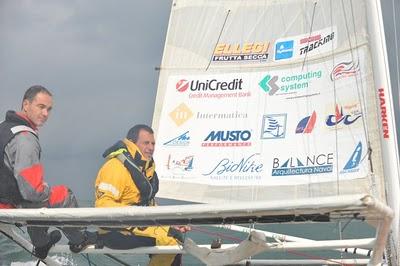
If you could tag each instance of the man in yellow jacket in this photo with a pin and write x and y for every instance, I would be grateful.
(128, 178)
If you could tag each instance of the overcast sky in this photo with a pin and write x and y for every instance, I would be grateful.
(98, 58)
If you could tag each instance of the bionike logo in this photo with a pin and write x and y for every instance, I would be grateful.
(268, 84)
(181, 114)
(182, 85)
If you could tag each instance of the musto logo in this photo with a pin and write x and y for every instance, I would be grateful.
(277, 85)
(315, 164)
(212, 88)
(248, 165)
(234, 138)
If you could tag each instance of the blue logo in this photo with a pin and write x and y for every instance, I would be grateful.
(315, 164)
(182, 140)
(273, 126)
(339, 117)
(230, 138)
(245, 165)
(284, 50)
(354, 161)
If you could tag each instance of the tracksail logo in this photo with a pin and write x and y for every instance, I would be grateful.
(354, 161)
(181, 140)
(313, 164)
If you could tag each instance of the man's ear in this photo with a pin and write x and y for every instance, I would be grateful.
(24, 105)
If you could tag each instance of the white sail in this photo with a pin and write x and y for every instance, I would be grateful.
(276, 100)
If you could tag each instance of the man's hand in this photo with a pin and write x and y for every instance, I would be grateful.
(182, 228)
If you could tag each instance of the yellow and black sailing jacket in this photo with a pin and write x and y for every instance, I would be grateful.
(126, 178)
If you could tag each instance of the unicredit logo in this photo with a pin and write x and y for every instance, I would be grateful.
(209, 85)
(182, 85)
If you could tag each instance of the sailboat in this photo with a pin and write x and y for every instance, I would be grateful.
(267, 112)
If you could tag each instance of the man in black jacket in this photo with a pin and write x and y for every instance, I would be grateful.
(22, 174)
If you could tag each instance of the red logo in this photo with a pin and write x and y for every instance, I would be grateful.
(384, 118)
(182, 85)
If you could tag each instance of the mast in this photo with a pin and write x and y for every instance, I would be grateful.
(388, 135)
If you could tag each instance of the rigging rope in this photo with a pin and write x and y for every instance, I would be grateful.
(311, 29)
(220, 33)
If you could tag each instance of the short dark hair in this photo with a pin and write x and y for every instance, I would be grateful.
(133, 133)
(31, 93)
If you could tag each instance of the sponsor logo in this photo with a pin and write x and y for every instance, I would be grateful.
(184, 164)
(345, 69)
(181, 140)
(284, 50)
(209, 85)
(339, 118)
(296, 47)
(306, 125)
(279, 85)
(245, 165)
(314, 164)
(314, 42)
(268, 84)
(233, 138)
(181, 114)
(354, 161)
(230, 115)
(236, 52)
(182, 85)
(212, 88)
(384, 118)
(273, 126)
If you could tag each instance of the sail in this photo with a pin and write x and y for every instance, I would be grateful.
(262, 100)
(276, 100)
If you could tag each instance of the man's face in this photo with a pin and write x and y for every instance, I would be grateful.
(38, 110)
(145, 143)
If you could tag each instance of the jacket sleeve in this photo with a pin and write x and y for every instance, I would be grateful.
(27, 169)
(110, 185)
